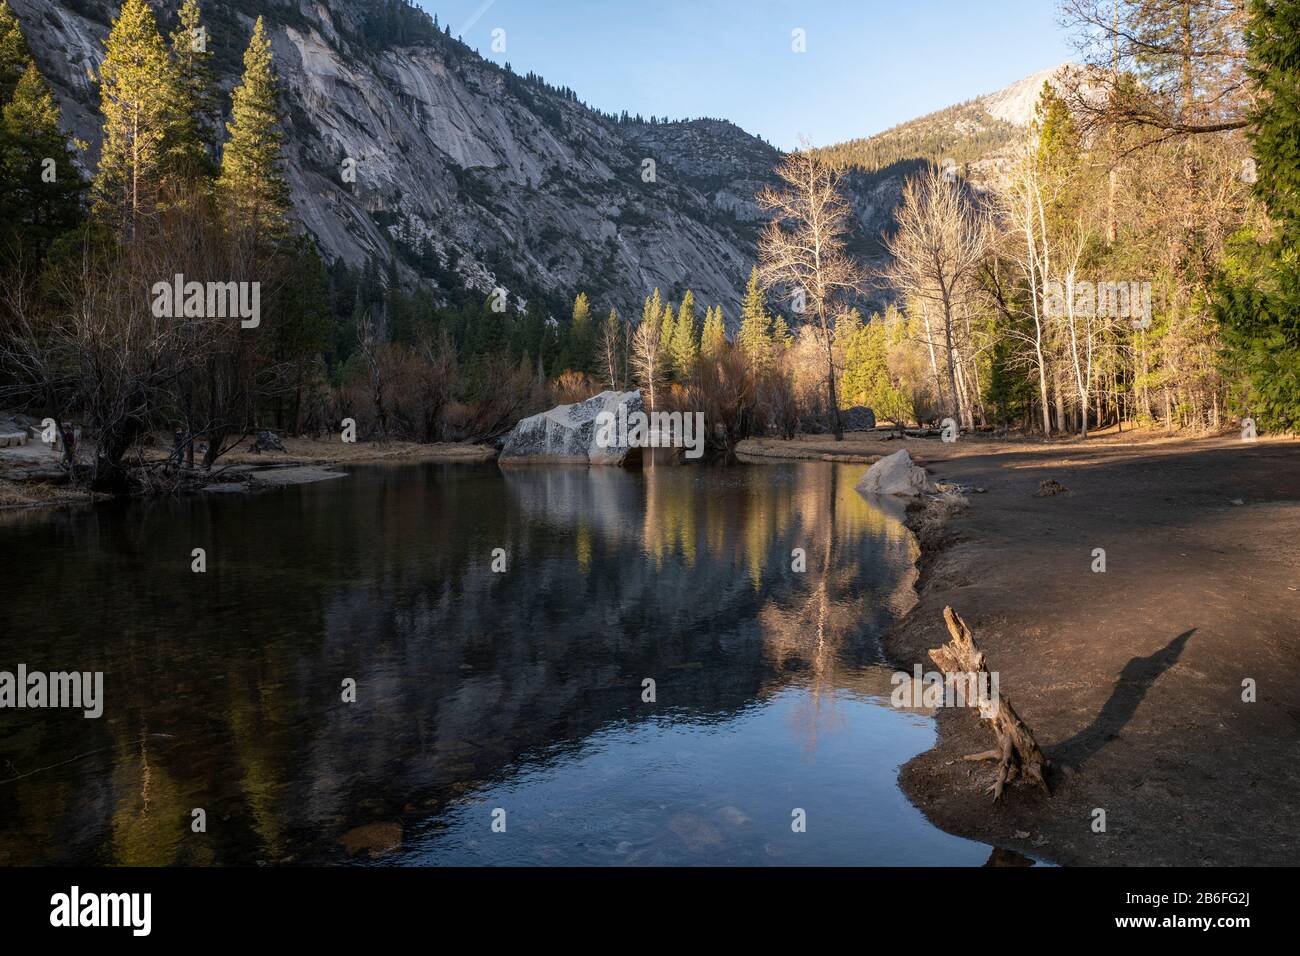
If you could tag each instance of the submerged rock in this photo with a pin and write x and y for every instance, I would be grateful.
(567, 433)
(377, 839)
(895, 475)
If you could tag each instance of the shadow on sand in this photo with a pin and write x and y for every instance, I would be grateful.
(1138, 676)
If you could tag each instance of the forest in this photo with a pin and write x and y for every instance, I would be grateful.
(1132, 265)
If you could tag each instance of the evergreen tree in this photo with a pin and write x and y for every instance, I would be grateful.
(1273, 38)
(1009, 392)
(667, 332)
(136, 94)
(1054, 124)
(189, 146)
(15, 57)
(652, 312)
(684, 343)
(714, 338)
(755, 336)
(40, 187)
(866, 365)
(252, 185)
(1259, 297)
(580, 345)
(782, 337)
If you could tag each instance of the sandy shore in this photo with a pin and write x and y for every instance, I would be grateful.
(304, 460)
(1132, 679)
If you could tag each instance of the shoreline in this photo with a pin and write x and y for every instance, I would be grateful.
(244, 472)
(1130, 679)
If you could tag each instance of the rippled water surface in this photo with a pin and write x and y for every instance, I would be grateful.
(515, 697)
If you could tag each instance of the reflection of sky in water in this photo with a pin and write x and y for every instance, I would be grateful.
(520, 689)
(669, 793)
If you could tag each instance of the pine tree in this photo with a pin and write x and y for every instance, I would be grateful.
(1273, 38)
(136, 96)
(1258, 299)
(15, 57)
(581, 311)
(1054, 125)
(714, 338)
(252, 186)
(580, 345)
(684, 344)
(755, 336)
(40, 195)
(667, 333)
(189, 145)
(782, 337)
(652, 312)
(866, 367)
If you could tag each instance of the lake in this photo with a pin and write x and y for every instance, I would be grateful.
(676, 666)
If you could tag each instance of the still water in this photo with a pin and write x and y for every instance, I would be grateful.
(513, 697)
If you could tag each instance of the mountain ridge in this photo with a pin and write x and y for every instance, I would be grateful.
(490, 178)
(471, 177)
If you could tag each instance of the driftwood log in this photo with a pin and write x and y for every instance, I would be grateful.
(1017, 752)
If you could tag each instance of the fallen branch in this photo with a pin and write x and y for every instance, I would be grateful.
(1017, 752)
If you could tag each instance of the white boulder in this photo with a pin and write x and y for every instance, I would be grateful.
(567, 433)
(895, 475)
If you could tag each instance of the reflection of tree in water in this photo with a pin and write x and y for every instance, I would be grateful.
(680, 574)
(148, 819)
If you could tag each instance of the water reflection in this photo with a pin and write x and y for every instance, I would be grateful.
(475, 690)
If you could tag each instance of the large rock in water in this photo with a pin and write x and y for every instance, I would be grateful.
(567, 433)
(895, 475)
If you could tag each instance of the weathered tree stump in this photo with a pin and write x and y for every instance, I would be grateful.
(1017, 752)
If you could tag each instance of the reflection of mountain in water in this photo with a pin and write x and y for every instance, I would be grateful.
(225, 689)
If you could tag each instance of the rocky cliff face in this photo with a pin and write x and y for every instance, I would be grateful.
(465, 172)
(469, 175)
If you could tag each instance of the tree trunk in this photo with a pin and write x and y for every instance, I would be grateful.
(1017, 752)
(833, 405)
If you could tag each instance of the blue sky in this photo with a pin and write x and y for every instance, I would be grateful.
(869, 65)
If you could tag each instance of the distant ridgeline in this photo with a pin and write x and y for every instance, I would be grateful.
(964, 133)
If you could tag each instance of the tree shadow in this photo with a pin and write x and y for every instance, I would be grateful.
(1138, 676)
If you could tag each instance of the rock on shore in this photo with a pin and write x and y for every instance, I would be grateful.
(567, 433)
(895, 475)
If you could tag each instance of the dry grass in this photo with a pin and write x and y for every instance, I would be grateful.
(15, 494)
(334, 450)
(930, 520)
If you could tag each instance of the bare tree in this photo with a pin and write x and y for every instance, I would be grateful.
(802, 249)
(368, 340)
(104, 344)
(612, 338)
(940, 241)
(1167, 68)
(1022, 212)
(647, 360)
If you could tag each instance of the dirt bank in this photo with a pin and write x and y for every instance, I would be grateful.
(30, 474)
(333, 451)
(1132, 679)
